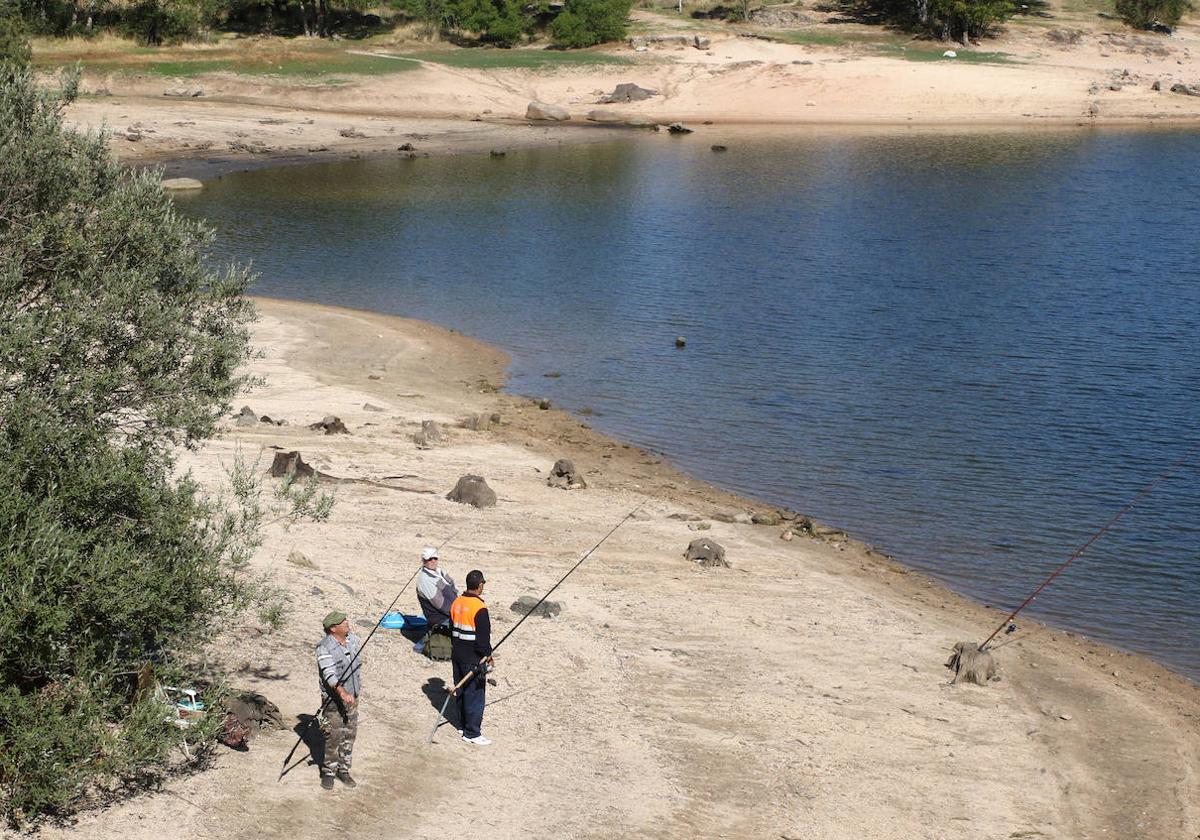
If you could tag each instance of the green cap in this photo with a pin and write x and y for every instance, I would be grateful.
(335, 617)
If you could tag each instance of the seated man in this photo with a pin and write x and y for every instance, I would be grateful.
(435, 589)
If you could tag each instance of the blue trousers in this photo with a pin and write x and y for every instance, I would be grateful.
(471, 697)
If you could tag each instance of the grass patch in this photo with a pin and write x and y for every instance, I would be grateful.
(318, 64)
(491, 59)
(909, 53)
(807, 37)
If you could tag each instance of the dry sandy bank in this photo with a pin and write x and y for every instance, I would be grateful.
(800, 694)
(1105, 76)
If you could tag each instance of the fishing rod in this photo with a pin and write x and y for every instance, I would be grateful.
(352, 668)
(1145, 491)
(482, 662)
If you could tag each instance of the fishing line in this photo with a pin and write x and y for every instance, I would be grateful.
(1145, 491)
(353, 668)
(513, 629)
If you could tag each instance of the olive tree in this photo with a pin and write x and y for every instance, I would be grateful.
(119, 346)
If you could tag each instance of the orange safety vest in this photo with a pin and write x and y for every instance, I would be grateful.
(462, 616)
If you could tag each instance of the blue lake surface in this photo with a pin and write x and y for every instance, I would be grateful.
(971, 350)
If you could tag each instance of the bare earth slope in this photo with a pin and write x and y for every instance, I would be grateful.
(1071, 69)
(799, 694)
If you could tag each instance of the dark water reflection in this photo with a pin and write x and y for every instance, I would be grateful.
(971, 350)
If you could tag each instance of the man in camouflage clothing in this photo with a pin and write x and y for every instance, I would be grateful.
(340, 668)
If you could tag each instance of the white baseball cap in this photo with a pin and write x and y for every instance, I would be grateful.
(428, 554)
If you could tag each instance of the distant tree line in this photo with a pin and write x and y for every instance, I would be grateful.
(967, 20)
(573, 23)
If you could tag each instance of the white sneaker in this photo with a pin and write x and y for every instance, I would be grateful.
(478, 740)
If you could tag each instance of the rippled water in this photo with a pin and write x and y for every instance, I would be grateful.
(970, 350)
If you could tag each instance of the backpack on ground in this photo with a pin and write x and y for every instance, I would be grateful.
(438, 643)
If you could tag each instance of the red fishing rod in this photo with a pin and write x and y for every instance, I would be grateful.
(1145, 491)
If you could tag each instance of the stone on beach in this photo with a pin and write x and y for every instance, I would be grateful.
(706, 553)
(479, 422)
(430, 434)
(473, 490)
(526, 603)
(545, 111)
(628, 92)
(246, 417)
(564, 476)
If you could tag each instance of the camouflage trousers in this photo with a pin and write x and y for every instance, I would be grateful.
(341, 728)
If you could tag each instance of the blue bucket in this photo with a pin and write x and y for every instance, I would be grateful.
(400, 621)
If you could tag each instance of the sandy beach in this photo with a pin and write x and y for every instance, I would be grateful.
(1070, 69)
(800, 693)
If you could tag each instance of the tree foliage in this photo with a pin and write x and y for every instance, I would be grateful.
(584, 23)
(118, 347)
(14, 46)
(1145, 14)
(949, 20)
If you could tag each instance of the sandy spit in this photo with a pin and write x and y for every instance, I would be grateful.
(799, 694)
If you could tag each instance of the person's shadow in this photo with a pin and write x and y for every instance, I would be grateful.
(436, 690)
(310, 732)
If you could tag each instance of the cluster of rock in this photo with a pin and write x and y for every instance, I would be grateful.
(330, 425)
(246, 417)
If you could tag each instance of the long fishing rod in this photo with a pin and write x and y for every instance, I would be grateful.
(352, 668)
(1145, 491)
(474, 671)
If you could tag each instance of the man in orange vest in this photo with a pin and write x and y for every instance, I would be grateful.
(471, 653)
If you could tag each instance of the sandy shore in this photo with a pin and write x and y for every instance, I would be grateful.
(1102, 74)
(799, 694)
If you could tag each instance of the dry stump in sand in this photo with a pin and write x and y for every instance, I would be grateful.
(473, 490)
(290, 462)
(564, 475)
(707, 553)
(970, 664)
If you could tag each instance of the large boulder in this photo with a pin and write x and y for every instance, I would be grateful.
(430, 434)
(246, 417)
(628, 92)
(526, 603)
(707, 553)
(473, 490)
(543, 111)
(564, 476)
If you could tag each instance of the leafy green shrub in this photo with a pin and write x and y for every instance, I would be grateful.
(156, 22)
(14, 46)
(1144, 14)
(957, 20)
(118, 346)
(500, 22)
(583, 23)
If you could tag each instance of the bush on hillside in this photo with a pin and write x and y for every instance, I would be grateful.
(1145, 14)
(119, 346)
(14, 46)
(583, 23)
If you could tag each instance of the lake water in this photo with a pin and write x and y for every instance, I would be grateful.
(971, 350)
